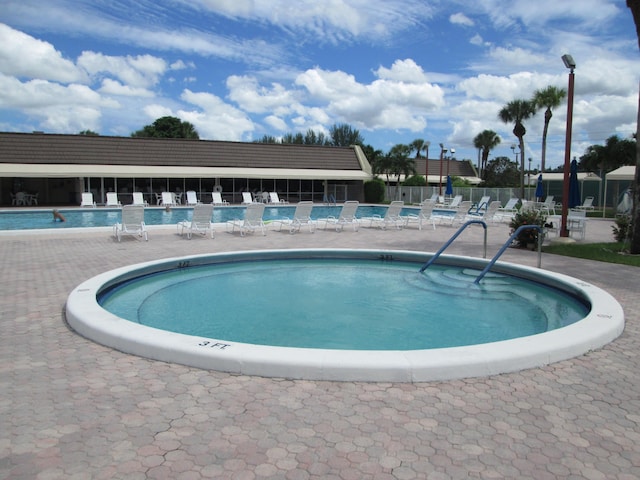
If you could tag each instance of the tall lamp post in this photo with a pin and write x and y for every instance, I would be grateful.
(516, 151)
(451, 154)
(443, 150)
(571, 65)
(426, 168)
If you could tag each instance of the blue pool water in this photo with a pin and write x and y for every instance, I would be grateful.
(342, 303)
(104, 217)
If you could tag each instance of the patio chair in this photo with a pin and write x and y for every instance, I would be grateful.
(486, 215)
(87, 200)
(132, 222)
(507, 212)
(301, 217)
(586, 205)
(455, 203)
(424, 215)
(547, 207)
(20, 199)
(138, 199)
(274, 198)
(168, 199)
(200, 221)
(251, 222)
(347, 216)
(462, 212)
(192, 198)
(577, 222)
(217, 199)
(391, 217)
(112, 200)
(433, 200)
(247, 198)
(483, 204)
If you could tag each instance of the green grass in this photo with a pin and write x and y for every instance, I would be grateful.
(602, 252)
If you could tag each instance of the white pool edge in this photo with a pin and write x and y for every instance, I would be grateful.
(603, 324)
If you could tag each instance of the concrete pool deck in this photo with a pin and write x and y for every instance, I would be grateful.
(74, 409)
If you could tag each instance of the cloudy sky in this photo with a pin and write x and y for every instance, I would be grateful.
(396, 70)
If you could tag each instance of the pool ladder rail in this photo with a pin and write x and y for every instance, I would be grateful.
(496, 256)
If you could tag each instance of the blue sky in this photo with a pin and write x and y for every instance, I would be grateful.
(396, 70)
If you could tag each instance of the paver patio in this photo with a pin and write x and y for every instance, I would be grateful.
(73, 409)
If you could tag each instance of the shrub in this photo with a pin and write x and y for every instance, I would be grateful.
(527, 217)
(415, 181)
(374, 191)
(622, 229)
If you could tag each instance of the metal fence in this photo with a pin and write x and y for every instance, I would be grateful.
(416, 195)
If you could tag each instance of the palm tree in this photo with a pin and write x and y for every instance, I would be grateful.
(418, 146)
(516, 111)
(486, 141)
(547, 98)
(400, 163)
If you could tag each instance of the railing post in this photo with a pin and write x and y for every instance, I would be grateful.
(506, 245)
(450, 241)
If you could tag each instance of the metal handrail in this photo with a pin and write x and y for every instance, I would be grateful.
(450, 241)
(506, 245)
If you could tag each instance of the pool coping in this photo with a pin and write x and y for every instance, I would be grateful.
(604, 323)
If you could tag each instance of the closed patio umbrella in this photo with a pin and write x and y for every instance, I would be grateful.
(449, 190)
(574, 186)
(539, 189)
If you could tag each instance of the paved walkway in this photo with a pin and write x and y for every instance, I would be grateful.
(73, 409)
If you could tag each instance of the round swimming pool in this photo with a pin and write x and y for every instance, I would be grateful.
(344, 314)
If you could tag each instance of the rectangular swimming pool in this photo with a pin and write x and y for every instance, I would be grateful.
(39, 219)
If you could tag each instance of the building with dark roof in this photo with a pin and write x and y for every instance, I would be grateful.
(56, 169)
(60, 167)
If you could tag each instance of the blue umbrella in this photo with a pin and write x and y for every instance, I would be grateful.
(539, 188)
(574, 186)
(449, 190)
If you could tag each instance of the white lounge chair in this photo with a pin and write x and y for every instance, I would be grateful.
(483, 204)
(274, 198)
(200, 221)
(347, 216)
(168, 199)
(462, 212)
(548, 206)
(247, 198)
(486, 215)
(586, 205)
(132, 222)
(507, 212)
(423, 216)
(217, 199)
(192, 198)
(87, 200)
(455, 202)
(433, 200)
(391, 217)
(112, 200)
(138, 199)
(301, 216)
(251, 222)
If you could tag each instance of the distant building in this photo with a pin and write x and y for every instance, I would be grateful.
(58, 168)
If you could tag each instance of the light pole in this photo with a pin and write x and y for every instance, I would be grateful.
(426, 168)
(443, 150)
(571, 65)
(516, 151)
(529, 179)
(452, 153)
